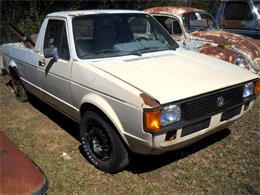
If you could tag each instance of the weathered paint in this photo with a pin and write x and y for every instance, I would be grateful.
(176, 11)
(225, 38)
(237, 24)
(217, 43)
(19, 175)
(220, 52)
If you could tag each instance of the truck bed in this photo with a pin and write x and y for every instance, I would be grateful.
(17, 53)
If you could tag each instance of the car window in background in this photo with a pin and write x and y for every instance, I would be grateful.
(237, 11)
(170, 24)
(196, 21)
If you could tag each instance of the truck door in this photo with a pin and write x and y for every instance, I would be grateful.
(54, 77)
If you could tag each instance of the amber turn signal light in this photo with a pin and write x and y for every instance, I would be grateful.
(257, 87)
(152, 120)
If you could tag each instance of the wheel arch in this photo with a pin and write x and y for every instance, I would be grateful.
(97, 104)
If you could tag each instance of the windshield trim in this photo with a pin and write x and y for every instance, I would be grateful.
(154, 23)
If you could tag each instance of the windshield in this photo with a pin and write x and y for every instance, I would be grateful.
(108, 35)
(196, 21)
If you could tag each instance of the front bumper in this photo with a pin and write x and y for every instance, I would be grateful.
(161, 144)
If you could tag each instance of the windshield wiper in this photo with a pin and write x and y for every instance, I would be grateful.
(139, 52)
(104, 51)
(171, 48)
(142, 50)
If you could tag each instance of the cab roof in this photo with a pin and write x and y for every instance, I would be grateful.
(91, 12)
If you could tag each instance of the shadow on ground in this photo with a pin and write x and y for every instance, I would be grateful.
(61, 120)
(142, 164)
(139, 163)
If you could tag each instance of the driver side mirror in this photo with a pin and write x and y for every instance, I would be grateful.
(51, 52)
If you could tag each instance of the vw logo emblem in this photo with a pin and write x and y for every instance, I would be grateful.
(220, 101)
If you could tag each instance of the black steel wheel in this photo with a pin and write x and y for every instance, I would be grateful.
(99, 141)
(102, 145)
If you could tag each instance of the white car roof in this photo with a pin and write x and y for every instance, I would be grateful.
(91, 12)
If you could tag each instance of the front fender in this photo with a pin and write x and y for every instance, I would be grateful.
(105, 107)
(222, 53)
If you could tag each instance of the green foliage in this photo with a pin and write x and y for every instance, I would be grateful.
(31, 21)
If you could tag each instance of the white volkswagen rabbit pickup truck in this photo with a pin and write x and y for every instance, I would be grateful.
(122, 77)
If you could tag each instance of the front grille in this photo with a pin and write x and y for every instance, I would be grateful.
(208, 105)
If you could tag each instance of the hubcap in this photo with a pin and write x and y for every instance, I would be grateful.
(99, 141)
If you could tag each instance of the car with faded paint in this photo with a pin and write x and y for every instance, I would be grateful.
(19, 174)
(197, 30)
(121, 76)
(240, 16)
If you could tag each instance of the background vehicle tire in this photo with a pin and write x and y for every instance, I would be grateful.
(102, 145)
(19, 90)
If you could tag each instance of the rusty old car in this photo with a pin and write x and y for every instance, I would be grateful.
(18, 173)
(197, 30)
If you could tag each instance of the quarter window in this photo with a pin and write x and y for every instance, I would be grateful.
(170, 24)
(56, 36)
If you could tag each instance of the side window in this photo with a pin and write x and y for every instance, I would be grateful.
(56, 36)
(170, 24)
(238, 11)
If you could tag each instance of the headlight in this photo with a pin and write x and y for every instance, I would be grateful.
(248, 90)
(170, 114)
(154, 119)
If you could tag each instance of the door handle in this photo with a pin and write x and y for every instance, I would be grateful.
(42, 62)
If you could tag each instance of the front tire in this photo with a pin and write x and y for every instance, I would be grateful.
(102, 145)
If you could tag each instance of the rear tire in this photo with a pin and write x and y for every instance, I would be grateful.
(19, 90)
(102, 145)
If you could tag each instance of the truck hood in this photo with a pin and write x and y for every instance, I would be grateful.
(175, 75)
(241, 43)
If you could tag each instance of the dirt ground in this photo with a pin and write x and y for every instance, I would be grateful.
(227, 162)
